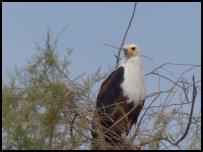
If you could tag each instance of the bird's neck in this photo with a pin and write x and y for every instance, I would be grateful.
(133, 60)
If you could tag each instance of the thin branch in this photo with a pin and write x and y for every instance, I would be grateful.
(191, 112)
(112, 46)
(72, 82)
(190, 118)
(139, 123)
(119, 51)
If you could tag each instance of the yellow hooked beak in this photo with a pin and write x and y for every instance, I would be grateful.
(129, 50)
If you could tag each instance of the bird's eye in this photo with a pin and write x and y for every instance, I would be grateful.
(133, 48)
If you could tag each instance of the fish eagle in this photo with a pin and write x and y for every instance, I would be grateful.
(121, 98)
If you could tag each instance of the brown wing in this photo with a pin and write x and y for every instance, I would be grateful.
(112, 106)
(110, 91)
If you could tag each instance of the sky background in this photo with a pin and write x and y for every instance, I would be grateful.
(166, 32)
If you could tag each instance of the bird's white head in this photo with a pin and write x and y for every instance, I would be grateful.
(132, 50)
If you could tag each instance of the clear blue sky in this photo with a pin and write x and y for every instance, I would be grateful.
(166, 32)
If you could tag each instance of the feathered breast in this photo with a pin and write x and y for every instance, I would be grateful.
(134, 80)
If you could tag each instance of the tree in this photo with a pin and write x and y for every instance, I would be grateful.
(40, 101)
(42, 108)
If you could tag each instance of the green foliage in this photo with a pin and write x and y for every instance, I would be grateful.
(38, 103)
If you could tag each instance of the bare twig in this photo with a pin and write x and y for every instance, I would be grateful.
(112, 46)
(169, 139)
(72, 82)
(123, 41)
(191, 112)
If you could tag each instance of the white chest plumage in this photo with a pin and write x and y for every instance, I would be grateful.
(133, 86)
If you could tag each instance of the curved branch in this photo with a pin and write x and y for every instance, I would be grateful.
(194, 94)
(119, 51)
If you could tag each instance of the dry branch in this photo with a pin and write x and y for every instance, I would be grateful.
(123, 41)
